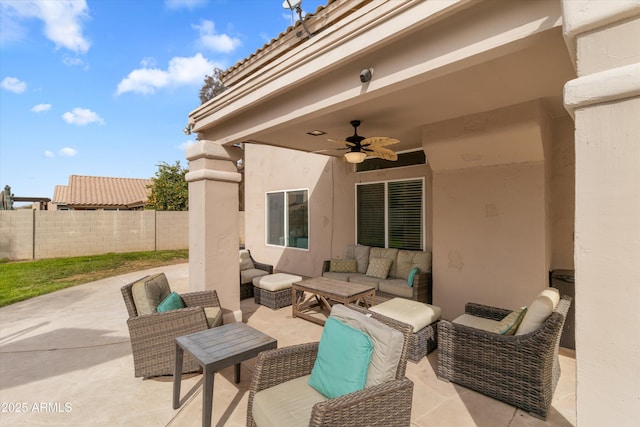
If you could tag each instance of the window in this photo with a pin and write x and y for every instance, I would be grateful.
(390, 214)
(288, 219)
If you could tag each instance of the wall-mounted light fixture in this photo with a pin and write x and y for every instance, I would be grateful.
(187, 130)
(366, 74)
(355, 156)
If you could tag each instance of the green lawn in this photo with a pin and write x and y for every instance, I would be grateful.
(26, 279)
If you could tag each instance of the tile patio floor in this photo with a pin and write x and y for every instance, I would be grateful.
(66, 356)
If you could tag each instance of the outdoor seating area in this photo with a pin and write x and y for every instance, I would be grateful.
(90, 346)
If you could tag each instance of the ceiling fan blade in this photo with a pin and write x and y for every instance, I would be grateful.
(383, 153)
(379, 141)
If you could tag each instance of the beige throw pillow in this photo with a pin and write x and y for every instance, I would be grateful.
(343, 265)
(379, 267)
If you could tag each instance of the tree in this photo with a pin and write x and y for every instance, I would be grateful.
(212, 86)
(170, 191)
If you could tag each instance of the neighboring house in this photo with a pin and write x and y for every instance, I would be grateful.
(527, 114)
(102, 193)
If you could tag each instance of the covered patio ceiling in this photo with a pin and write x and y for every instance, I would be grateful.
(530, 69)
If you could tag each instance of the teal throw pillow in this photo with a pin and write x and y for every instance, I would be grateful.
(343, 360)
(171, 302)
(412, 275)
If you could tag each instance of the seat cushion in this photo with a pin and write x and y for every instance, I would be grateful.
(476, 322)
(397, 287)
(150, 291)
(387, 343)
(417, 314)
(275, 282)
(539, 310)
(343, 360)
(214, 316)
(346, 277)
(247, 276)
(361, 279)
(286, 405)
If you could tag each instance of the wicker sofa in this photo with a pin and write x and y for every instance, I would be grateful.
(396, 283)
(521, 370)
(250, 269)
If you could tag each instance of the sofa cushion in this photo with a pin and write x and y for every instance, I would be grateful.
(286, 404)
(511, 321)
(171, 302)
(407, 260)
(417, 314)
(343, 360)
(539, 310)
(360, 253)
(346, 277)
(397, 287)
(343, 265)
(245, 260)
(379, 267)
(149, 291)
(477, 322)
(214, 316)
(390, 253)
(362, 279)
(276, 282)
(247, 276)
(387, 343)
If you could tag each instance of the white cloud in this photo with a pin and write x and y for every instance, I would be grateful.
(187, 4)
(185, 144)
(13, 84)
(62, 20)
(82, 117)
(212, 41)
(68, 152)
(40, 108)
(71, 61)
(181, 71)
(49, 154)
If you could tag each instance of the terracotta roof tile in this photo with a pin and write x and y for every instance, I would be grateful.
(98, 191)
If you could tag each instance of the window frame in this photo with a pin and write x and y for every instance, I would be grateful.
(285, 218)
(423, 236)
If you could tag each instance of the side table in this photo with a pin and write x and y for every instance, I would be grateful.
(215, 349)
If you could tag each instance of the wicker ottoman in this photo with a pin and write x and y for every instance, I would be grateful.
(424, 319)
(274, 290)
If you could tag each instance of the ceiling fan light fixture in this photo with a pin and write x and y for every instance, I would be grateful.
(355, 156)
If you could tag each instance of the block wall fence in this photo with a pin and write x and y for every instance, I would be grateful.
(32, 234)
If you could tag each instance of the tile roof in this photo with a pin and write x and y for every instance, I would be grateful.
(98, 191)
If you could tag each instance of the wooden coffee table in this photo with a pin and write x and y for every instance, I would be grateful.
(323, 293)
(215, 349)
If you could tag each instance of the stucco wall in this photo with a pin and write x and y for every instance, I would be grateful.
(29, 234)
(331, 209)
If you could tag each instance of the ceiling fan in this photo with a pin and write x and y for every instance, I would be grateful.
(360, 147)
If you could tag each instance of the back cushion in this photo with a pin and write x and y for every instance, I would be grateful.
(245, 260)
(391, 254)
(150, 291)
(407, 260)
(539, 310)
(387, 343)
(360, 253)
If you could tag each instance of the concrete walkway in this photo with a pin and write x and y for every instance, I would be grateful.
(65, 360)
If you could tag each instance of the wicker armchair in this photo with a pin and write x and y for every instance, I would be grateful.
(246, 276)
(386, 404)
(521, 370)
(153, 335)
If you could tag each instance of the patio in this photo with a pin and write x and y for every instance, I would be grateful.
(67, 356)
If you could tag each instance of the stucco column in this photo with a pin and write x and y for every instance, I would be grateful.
(213, 224)
(603, 37)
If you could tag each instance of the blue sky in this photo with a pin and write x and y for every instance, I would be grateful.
(105, 87)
